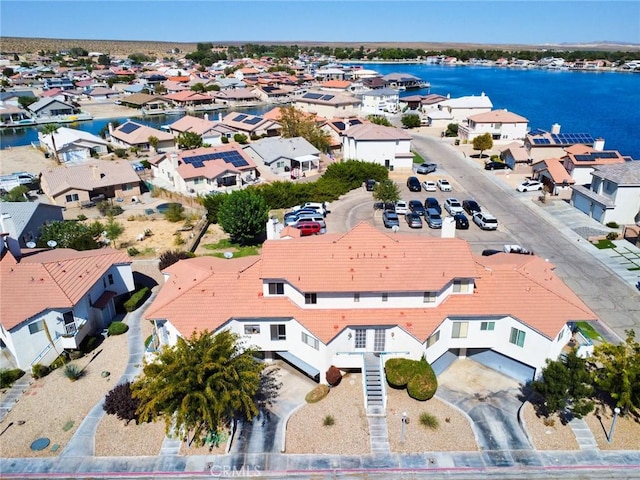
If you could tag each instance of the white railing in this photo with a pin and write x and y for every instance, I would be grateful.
(383, 383)
(47, 350)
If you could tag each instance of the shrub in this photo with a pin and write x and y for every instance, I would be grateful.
(333, 375)
(612, 236)
(7, 377)
(428, 421)
(417, 376)
(59, 362)
(38, 370)
(72, 372)
(120, 402)
(170, 257)
(178, 240)
(108, 210)
(317, 394)
(549, 422)
(90, 343)
(328, 420)
(613, 225)
(81, 217)
(117, 328)
(133, 251)
(398, 372)
(174, 213)
(120, 152)
(224, 140)
(136, 299)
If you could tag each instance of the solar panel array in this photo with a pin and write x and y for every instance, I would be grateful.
(253, 121)
(129, 127)
(239, 118)
(571, 138)
(541, 141)
(591, 157)
(232, 157)
(318, 96)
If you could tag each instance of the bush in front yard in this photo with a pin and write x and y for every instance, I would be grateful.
(38, 370)
(333, 375)
(120, 402)
(137, 299)
(7, 377)
(417, 376)
(398, 371)
(117, 328)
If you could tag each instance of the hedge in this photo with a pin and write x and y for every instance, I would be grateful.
(417, 376)
(7, 377)
(137, 299)
(117, 328)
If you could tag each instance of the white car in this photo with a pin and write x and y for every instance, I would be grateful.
(444, 185)
(429, 186)
(453, 206)
(402, 207)
(530, 186)
(485, 221)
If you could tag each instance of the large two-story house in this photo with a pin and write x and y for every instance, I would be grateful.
(500, 124)
(335, 299)
(369, 142)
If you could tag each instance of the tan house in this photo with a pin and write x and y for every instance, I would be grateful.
(79, 185)
(251, 125)
(328, 105)
(132, 134)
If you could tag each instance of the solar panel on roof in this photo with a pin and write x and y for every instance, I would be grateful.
(129, 127)
(253, 121)
(583, 158)
(326, 98)
(538, 141)
(198, 164)
(240, 117)
(312, 96)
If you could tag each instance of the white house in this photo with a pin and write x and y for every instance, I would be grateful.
(294, 156)
(613, 195)
(580, 160)
(71, 295)
(380, 102)
(336, 299)
(73, 145)
(388, 146)
(463, 107)
(500, 124)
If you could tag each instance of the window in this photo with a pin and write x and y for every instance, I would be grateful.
(309, 340)
(385, 297)
(278, 332)
(560, 335)
(356, 297)
(251, 329)
(198, 181)
(72, 197)
(487, 325)
(110, 278)
(36, 327)
(276, 288)
(433, 338)
(460, 329)
(127, 186)
(361, 339)
(517, 337)
(310, 298)
(429, 297)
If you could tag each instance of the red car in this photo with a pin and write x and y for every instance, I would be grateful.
(309, 228)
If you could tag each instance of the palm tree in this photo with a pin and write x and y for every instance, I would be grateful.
(52, 129)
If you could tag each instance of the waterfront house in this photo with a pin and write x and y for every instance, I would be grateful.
(207, 129)
(542, 144)
(22, 220)
(403, 81)
(328, 105)
(236, 96)
(462, 107)
(293, 157)
(189, 99)
(73, 145)
(388, 146)
(271, 94)
(251, 125)
(102, 94)
(52, 110)
(553, 175)
(77, 185)
(367, 292)
(132, 134)
(380, 102)
(613, 194)
(516, 156)
(204, 170)
(71, 295)
(580, 160)
(500, 124)
(14, 116)
(145, 102)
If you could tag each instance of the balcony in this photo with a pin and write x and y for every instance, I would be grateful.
(73, 334)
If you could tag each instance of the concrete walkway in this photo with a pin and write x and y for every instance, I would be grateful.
(584, 436)
(13, 395)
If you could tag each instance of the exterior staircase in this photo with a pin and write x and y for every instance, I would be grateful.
(375, 403)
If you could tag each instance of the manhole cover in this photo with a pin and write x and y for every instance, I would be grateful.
(40, 444)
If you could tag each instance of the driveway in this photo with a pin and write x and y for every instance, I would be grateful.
(491, 401)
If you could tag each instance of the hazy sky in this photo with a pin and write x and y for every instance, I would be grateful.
(474, 21)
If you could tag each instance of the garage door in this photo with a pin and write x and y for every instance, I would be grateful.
(503, 364)
(443, 362)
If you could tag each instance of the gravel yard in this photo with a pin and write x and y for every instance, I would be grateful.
(626, 435)
(543, 437)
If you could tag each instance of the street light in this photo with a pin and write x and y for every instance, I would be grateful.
(616, 411)
(404, 422)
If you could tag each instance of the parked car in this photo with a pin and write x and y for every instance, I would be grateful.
(384, 206)
(369, 184)
(490, 251)
(307, 218)
(462, 222)
(402, 207)
(517, 249)
(471, 206)
(390, 219)
(291, 217)
(432, 202)
(485, 221)
(309, 228)
(416, 207)
(317, 206)
(444, 185)
(413, 220)
(495, 166)
(429, 186)
(433, 218)
(426, 168)
(453, 206)
(529, 186)
(413, 184)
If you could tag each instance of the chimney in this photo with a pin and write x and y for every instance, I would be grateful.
(347, 124)
(555, 128)
(206, 117)
(598, 145)
(94, 170)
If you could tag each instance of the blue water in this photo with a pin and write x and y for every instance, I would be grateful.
(604, 105)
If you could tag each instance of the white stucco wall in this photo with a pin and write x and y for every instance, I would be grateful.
(378, 151)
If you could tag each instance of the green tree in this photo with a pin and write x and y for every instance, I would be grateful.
(52, 129)
(483, 142)
(566, 385)
(411, 120)
(241, 138)
(189, 140)
(114, 230)
(386, 191)
(104, 60)
(197, 87)
(174, 213)
(212, 204)
(616, 371)
(200, 385)
(71, 234)
(379, 120)
(153, 142)
(159, 89)
(16, 194)
(452, 130)
(243, 215)
(7, 72)
(24, 102)
(296, 123)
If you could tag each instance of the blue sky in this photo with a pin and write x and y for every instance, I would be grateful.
(474, 21)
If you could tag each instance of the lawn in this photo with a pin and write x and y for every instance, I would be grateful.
(225, 245)
(417, 158)
(604, 243)
(589, 331)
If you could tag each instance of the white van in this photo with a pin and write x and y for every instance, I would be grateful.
(321, 208)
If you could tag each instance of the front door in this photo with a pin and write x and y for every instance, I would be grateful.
(379, 340)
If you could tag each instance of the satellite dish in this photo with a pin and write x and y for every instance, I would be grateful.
(228, 254)
(31, 244)
(52, 243)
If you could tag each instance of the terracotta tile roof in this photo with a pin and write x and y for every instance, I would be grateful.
(342, 84)
(193, 124)
(577, 154)
(498, 116)
(140, 135)
(205, 292)
(188, 96)
(371, 131)
(556, 170)
(56, 278)
(88, 176)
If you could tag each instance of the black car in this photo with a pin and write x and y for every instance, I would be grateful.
(432, 202)
(490, 251)
(471, 206)
(369, 184)
(416, 207)
(414, 184)
(462, 222)
(495, 166)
